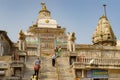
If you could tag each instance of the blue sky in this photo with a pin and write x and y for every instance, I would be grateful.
(79, 16)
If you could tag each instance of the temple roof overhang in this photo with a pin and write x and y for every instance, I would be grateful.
(36, 30)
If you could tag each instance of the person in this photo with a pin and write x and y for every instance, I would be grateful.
(59, 51)
(56, 50)
(38, 61)
(16, 56)
(53, 59)
(36, 69)
(54, 56)
(37, 66)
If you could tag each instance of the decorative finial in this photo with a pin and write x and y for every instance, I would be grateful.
(104, 5)
(21, 32)
(42, 3)
(43, 6)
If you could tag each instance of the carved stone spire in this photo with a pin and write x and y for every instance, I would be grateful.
(104, 34)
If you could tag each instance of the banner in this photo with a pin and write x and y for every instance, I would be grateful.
(97, 73)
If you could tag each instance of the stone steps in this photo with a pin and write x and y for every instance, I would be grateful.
(29, 70)
(64, 70)
(48, 72)
(49, 75)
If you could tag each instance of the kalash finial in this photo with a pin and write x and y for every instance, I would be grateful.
(43, 6)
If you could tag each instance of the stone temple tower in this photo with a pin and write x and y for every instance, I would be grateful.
(47, 32)
(104, 34)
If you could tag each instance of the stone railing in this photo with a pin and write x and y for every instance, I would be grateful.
(32, 52)
(99, 61)
(4, 65)
(17, 64)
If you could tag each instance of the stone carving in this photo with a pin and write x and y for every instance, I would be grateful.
(104, 34)
(22, 41)
(78, 73)
(71, 41)
(79, 58)
(1, 47)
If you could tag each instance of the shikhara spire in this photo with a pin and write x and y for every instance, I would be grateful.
(104, 34)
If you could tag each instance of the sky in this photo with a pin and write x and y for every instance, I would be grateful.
(79, 16)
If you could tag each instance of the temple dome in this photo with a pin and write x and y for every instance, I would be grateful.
(47, 23)
(44, 13)
(45, 20)
(104, 34)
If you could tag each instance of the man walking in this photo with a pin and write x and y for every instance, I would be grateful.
(37, 66)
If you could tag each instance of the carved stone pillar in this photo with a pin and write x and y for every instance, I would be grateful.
(83, 73)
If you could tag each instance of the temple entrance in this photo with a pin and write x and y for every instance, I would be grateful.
(47, 44)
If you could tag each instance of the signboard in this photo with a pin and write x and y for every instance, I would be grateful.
(89, 74)
(97, 74)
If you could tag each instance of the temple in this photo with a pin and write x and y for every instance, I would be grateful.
(97, 61)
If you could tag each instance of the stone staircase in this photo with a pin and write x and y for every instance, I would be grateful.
(48, 72)
(64, 70)
(29, 69)
(61, 71)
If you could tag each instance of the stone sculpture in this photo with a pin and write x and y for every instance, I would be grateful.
(71, 41)
(22, 41)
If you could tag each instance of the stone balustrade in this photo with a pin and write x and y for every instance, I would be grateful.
(17, 64)
(97, 62)
(3, 65)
